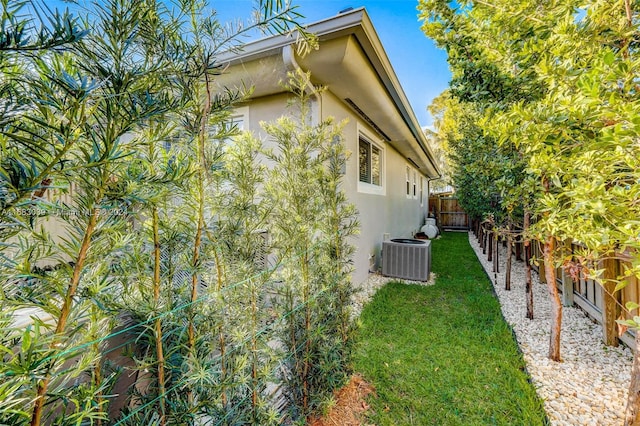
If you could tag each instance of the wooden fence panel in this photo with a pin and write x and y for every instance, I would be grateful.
(631, 293)
(449, 213)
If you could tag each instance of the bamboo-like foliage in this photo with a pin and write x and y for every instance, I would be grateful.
(134, 285)
(26, 164)
(25, 170)
(312, 220)
(77, 109)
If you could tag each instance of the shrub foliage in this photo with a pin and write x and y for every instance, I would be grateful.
(154, 269)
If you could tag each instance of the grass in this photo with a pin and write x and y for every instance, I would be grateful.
(443, 355)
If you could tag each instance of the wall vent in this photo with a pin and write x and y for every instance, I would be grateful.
(406, 258)
(366, 118)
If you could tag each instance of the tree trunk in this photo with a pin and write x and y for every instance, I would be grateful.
(200, 228)
(158, 323)
(254, 351)
(556, 320)
(527, 262)
(490, 246)
(496, 247)
(65, 312)
(632, 414)
(507, 272)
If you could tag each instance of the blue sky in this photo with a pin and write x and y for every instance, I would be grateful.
(421, 67)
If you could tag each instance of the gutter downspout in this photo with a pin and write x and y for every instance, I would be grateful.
(429, 190)
(289, 59)
(290, 63)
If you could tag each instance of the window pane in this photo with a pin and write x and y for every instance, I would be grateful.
(364, 163)
(375, 165)
(408, 183)
(238, 123)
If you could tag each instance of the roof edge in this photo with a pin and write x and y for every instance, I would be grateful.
(353, 22)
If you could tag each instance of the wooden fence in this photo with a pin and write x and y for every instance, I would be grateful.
(448, 213)
(599, 302)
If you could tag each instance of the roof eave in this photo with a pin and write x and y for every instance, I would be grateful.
(355, 22)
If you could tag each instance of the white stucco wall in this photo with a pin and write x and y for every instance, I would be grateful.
(388, 213)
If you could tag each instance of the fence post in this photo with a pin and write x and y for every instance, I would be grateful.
(609, 305)
(567, 281)
(439, 213)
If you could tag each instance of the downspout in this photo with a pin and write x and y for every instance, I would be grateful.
(290, 63)
(429, 182)
(289, 59)
(429, 191)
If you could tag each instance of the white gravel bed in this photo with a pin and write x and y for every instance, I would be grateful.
(590, 386)
(366, 290)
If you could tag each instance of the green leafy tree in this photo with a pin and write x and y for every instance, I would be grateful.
(26, 166)
(491, 87)
(94, 169)
(136, 212)
(578, 132)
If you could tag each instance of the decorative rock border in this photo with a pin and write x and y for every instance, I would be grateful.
(590, 386)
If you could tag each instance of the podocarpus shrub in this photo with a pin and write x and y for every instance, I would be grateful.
(161, 272)
(311, 221)
(76, 107)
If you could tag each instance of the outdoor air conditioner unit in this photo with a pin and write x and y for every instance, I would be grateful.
(406, 258)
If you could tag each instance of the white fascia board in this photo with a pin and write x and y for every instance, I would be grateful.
(332, 27)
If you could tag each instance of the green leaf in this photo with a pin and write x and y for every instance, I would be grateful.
(26, 340)
(631, 306)
(620, 286)
(609, 57)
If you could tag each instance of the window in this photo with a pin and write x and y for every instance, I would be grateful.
(225, 132)
(233, 126)
(230, 129)
(236, 123)
(411, 177)
(408, 174)
(369, 163)
(415, 184)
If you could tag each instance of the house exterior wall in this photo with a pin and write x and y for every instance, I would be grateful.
(381, 211)
(389, 212)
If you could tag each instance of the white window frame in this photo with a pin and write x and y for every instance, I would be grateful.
(411, 178)
(421, 191)
(365, 187)
(407, 189)
(240, 114)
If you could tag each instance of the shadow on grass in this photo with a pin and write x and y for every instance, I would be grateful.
(443, 355)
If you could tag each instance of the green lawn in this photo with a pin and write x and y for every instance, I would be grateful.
(443, 355)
